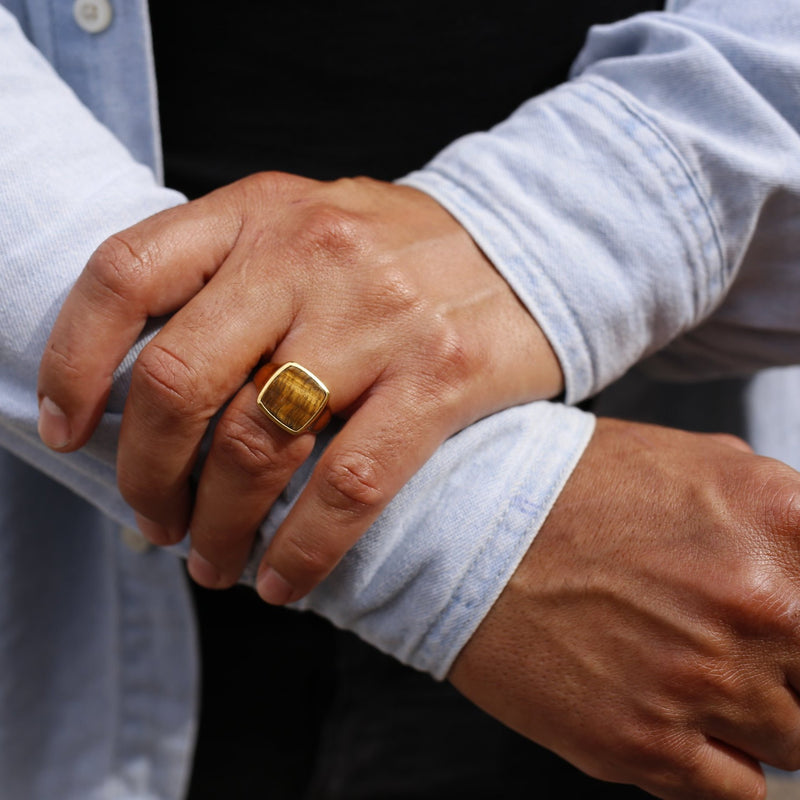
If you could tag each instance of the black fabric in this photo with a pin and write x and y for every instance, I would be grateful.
(343, 88)
(291, 707)
(294, 709)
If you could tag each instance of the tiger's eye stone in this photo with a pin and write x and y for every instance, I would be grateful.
(293, 398)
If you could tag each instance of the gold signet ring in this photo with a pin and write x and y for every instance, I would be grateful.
(292, 397)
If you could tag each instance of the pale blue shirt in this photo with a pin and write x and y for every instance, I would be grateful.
(647, 209)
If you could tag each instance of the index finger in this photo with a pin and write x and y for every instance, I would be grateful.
(148, 270)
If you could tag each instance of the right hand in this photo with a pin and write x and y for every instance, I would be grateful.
(373, 286)
(651, 635)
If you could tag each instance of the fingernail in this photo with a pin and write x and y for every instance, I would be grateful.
(53, 425)
(203, 571)
(274, 588)
(156, 533)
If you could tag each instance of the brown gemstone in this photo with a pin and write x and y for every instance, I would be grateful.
(293, 398)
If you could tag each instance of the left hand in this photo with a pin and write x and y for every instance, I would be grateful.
(373, 287)
(650, 634)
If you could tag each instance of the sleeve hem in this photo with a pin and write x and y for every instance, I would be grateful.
(503, 547)
(568, 252)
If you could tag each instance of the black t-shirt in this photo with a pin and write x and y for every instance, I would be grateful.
(345, 88)
(374, 88)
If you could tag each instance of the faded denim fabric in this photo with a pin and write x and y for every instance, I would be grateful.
(655, 190)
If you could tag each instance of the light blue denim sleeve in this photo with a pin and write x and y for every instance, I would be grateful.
(618, 219)
(424, 576)
(623, 205)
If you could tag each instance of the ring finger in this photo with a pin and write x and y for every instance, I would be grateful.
(249, 464)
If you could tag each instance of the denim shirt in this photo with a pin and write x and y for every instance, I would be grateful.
(644, 212)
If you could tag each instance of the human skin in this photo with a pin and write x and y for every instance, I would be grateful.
(650, 635)
(647, 636)
(372, 286)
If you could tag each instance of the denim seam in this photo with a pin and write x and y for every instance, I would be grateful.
(457, 598)
(635, 111)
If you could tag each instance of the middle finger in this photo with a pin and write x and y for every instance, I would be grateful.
(250, 462)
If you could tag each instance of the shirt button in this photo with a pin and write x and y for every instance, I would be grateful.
(134, 540)
(93, 16)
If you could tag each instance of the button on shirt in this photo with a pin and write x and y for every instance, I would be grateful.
(134, 540)
(93, 16)
(626, 208)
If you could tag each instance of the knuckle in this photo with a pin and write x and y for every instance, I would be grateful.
(781, 493)
(397, 294)
(240, 442)
(758, 602)
(684, 771)
(168, 383)
(691, 778)
(390, 297)
(444, 365)
(720, 678)
(118, 266)
(451, 359)
(351, 484)
(311, 561)
(141, 489)
(333, 232)
(633, 749)
(60, 357)
(641, 741)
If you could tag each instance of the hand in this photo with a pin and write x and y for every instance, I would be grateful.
(651, 634)
(373, 287)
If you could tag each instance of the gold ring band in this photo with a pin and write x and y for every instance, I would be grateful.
(292, 397)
